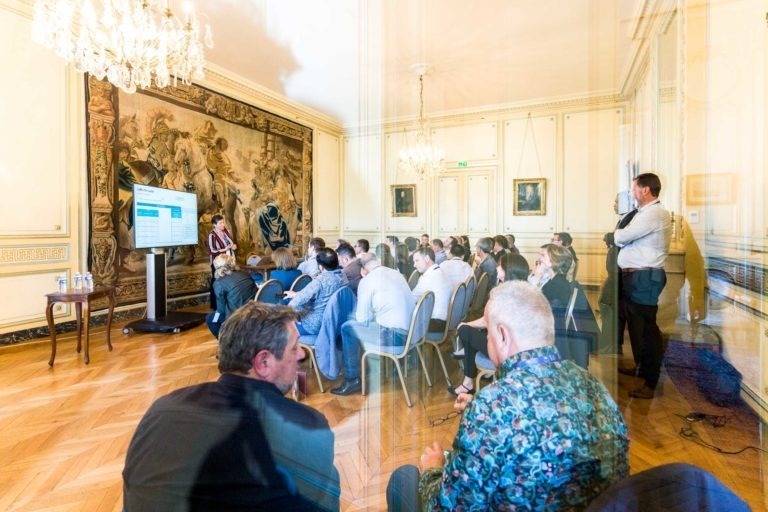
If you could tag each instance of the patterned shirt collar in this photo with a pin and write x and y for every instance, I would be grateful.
(513, 362)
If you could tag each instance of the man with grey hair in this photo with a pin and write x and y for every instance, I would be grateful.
(485, 262)
(237, 443)
(383, 315)
(545, 436)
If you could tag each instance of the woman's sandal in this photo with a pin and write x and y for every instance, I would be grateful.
(461, 388)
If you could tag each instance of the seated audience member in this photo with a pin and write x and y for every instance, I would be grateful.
(437, 248)
(392, 241)
(512, 247)
(340, 242)
(433, 280)
(549, 275)
(468, 254)
(455, 268)
(545, 436)
(500, 247)
(311, 301)
(383, 253)
(351, 265)
(425, 240)
(383, 315)
(403, 257)
(474, 335)
(237, 443)
(485, 262)
(362, 246)
(309, 266)
(448, 243)
(232, 289)
(565, 240)
(285, 271)
(253, 258)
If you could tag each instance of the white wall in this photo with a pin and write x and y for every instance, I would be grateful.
(41, 179)
(574, 145)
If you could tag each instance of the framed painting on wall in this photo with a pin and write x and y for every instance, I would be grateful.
(403, 200)
(530, 196)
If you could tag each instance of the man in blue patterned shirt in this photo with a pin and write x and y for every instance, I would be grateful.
(545, 436)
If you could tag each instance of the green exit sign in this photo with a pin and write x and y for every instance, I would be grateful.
(463, 163)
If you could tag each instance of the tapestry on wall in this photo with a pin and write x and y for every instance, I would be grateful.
(250, 166)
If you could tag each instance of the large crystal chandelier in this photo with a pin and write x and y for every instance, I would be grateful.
(421, 158)
(131, 42)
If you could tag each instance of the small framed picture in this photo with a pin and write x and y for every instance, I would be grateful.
(531, 196)
(403, 200)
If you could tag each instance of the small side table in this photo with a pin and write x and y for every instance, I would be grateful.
(82, 299)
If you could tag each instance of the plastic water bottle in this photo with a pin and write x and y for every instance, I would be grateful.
(61, 284)
(88, 281)
(78, 282)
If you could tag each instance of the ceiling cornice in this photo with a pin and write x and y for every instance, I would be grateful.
(540, 105)
(227, 82)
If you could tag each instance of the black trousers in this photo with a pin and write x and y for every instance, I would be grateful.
(474, 340)
(640, 294)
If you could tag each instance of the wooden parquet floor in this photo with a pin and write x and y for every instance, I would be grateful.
(65, 429)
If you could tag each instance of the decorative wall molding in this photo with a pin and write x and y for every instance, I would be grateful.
(218, 78)
(33, 254)
(542, 106)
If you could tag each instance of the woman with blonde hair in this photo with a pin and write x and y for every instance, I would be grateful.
(549, 275)
(231, 287)
(286, 271)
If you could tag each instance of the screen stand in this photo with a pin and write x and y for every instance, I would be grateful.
(158, 319)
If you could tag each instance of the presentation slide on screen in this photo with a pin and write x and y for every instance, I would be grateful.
(164, 218)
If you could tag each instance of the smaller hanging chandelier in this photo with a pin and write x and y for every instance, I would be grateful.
(131, 42)
(421, 158)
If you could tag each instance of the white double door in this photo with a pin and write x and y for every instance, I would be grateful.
(465, 203)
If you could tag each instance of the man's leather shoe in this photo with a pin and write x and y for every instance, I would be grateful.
(349, 387)
(632, 372)
(644, 392)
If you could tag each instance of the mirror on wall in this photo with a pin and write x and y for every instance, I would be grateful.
(668, 113)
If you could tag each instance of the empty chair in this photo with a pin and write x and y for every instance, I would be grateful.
(413, 279)
(270, 292)
(416, 334)
(322, 346)
(300, 282)
(455, 310)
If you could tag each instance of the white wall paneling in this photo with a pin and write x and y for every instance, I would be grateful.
(327, 182)
(362, 183)
(590, 170)
(28, 291)
(530, 151)
(448, 216)
(34, 134)
(469, 142)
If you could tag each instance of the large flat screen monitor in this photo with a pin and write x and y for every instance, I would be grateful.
(163, 217)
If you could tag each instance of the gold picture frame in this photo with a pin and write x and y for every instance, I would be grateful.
(716, 188)
(530, 196)
(403, 200)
